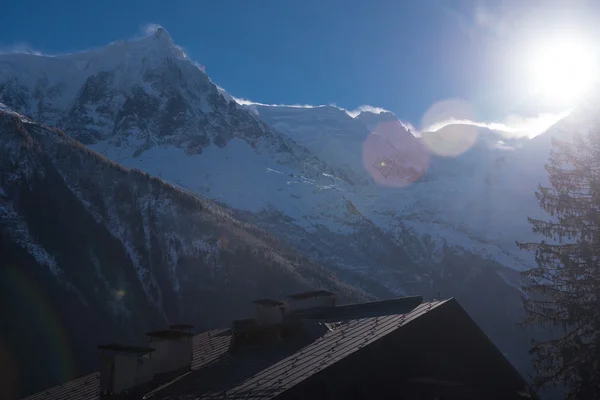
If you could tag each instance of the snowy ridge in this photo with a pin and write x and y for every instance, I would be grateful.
(145, 105)
(465, 201)
(193, 122)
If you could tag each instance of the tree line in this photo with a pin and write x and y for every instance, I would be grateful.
(563, 289)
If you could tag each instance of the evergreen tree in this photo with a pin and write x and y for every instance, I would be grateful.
(564, 289)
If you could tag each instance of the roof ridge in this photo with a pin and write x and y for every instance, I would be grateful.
(378, 302)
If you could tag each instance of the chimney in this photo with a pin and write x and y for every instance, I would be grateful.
(268, 312)
(182, 327)
(124, 367)
(310, 300)
(173, 349)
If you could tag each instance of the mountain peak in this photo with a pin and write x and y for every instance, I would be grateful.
(161, 34)
(159, 37)
(159, 41)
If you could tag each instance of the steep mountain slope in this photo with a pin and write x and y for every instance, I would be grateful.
(144, 104)
(93, 252)
(335, 141)
(362, 196)
(458, 185)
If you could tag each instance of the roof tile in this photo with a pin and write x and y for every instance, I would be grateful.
(264, 373)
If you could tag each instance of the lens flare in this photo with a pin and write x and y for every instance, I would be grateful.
(451, 140)
(393, 156)
(441, 135)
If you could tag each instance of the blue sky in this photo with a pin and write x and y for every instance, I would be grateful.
(400, 55)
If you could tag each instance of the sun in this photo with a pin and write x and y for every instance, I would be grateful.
(562, 71)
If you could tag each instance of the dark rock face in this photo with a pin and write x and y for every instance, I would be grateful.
(114, 253)
(160, 99)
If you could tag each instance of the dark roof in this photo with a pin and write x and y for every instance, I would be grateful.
(168, 334)
(83, 388)
(399, 305)
(181, 326)
(216, 373)
(347, 338)
(268, 302)
(207, 347)
(266, 372)
(126, 349)
(307, 295)
(259, 375)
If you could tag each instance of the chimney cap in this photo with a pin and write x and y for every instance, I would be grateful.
(126, 349)
(313, 293)
(181, 326)
(168, 334)
(268, 302)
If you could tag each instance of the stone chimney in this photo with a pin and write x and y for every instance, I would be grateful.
(268, 312)
(124, 367)
(174, 350)
(182, 327)
(309, 300)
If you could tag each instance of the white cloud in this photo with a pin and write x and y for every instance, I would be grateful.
(150, 28)
(366, 108)
(19, 48)
(246, 102)
(533, 126)
(511, 126)
(351, 113)
(196, 64)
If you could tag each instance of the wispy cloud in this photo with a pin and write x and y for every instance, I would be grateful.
(246, 102)
(150, 28)
(351, 113)
(512, 126)
(19, 48)
(366, 108)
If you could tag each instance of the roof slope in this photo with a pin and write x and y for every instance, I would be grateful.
(83, 388)
(351, 336)
(261, 375)
(207, 347)
(266, 372)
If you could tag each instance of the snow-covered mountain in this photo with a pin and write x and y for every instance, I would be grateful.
(108, 253)
(361, 195)
(144, 104)
(458, 185)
